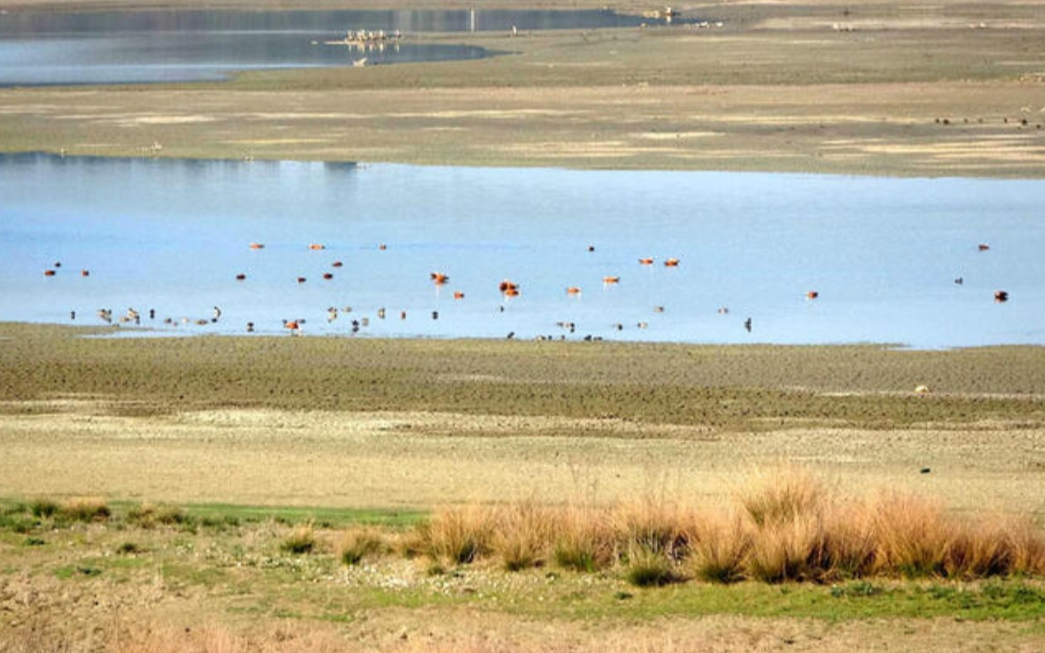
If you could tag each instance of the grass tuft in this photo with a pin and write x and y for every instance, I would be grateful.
(361, 543)
(301, 541)
(647, 567)
(85, 509)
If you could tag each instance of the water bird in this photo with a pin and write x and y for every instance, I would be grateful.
(959, 281)
(573, 290)
(402, 315)
(645, 261)
(509, 288)
(983, 247)
(458, 294)
(72, 315)
(591, 248)
(1001, 296)
(439, 278)
(812, 294)
(317, 246)
(217, 314)
(747, 325)
(241, 277)
(257, 246)
(671, 263)
(381, 313)
(250, 327)
(723, 310)
(336, 264)
(382, 247)
(658, 309)
(435, 315)
(85, 273)
(49, 273)
(302, 279)
(610, 280)
(328, 276)
(331, 314)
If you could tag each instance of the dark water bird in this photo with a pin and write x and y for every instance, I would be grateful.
(747, 325)
(1001, 296)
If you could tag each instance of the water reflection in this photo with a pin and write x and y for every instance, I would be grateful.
(883, 255)
(43, 48)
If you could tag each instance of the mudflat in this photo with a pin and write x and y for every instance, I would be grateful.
(886, 88)
(363, 423)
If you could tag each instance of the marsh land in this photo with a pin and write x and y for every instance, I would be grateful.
(209, 454)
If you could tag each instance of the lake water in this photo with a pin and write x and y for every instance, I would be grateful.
(172, 236)
(47, 48)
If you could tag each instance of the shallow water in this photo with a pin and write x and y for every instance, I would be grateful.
(47, 48)
(169, 235)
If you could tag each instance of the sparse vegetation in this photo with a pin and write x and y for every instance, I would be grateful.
(301, 541)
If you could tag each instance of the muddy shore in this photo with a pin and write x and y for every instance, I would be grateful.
(884, 89)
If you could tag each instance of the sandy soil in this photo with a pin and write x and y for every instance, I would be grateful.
(388, 459)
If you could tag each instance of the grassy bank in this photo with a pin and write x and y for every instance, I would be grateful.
(83, 575)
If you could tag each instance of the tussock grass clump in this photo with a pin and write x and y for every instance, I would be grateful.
(85, 509)
(302, 540)
(147, 515)
(657, 525)
(785, 498)
(647, 567)
(360, 543)
(784, 531)
(523, 534)
(913, 535)
(461, 534)
(44, 508)
(720, 545)
(585, 540)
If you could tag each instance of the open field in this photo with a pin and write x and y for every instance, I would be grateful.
(239, 444)
(245, 439)
(947, 89)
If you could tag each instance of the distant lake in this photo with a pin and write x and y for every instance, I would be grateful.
(101, 47)
(882, 255)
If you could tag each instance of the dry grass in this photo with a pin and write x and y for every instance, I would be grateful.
(790, 530)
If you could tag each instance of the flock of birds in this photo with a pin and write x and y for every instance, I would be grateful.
(508, 288)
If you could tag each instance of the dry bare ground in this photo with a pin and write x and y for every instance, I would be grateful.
(883, 88)
(413, 459)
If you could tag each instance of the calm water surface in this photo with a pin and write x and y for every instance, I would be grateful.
(46, 48)
(172, 236)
